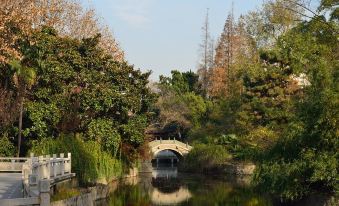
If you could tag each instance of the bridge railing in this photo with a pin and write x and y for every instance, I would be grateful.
(38, 175)
(170, 141)
(12, 164)
(45, 170)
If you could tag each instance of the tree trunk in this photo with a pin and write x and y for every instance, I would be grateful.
(20, 124)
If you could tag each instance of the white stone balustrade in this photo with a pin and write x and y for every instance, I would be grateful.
(11, 164)
(39, 174)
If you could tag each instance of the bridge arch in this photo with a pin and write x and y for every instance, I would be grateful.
(177, 147)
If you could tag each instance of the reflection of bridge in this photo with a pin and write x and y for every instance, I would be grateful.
(161, 198)
(179, 148)
(167, 194)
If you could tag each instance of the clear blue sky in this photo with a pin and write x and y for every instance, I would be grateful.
(162, 35)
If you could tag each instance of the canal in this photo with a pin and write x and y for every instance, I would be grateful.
(166, 186)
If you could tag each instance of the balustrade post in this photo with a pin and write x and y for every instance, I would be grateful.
(44, 191)
(160, 139)
(174, 140)
(40, 168)
(48, 159)
(69, 155)
(62, 156)
(54, 166)
(12, 164)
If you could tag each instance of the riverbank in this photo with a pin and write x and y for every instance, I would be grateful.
(88, 196)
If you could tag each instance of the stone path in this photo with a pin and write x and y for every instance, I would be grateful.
(10, 185)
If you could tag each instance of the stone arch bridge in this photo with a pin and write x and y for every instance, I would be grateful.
(179, 148)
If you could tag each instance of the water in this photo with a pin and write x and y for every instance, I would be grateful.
(165, 186)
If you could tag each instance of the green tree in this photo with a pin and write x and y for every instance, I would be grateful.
(81, 89)
(180, 82)
(306, 157)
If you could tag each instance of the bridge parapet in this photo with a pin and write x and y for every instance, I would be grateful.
(12, 164)
(45, 170)
(39, 174)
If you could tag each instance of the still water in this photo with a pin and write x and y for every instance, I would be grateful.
(165, 186)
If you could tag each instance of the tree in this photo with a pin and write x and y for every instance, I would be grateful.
(275, 18)
(267, 101)
(79, 88)
(306, 158)
(207, 54)
(24, 79)
(67, 16)
(180, 82)
(180, 104)
(234, 53)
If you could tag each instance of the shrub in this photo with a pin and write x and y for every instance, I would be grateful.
(204, 156)
(6, 147)
(89, 162)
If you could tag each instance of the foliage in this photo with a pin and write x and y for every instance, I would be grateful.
(133, 131)
(204, 156)
(267, 95)
(6, 147)
(81, 89)
(68, 17)
(306, 157)
(180, 82)
(180, 104)
(89, 161)
(103, 132)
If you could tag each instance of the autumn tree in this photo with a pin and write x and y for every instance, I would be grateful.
(234, 52)
(68, 17)
(20, 19)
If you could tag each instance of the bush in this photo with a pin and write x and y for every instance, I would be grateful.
(89, 162)
(7, 149)
(204, 156)
(295, 178)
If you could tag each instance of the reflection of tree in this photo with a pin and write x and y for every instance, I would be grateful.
(129, 195)
(220, 193)
(195, 191)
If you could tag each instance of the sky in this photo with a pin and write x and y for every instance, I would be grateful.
(163, 35)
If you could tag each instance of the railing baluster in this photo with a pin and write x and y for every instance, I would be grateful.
(54, 165)
(38, 173)
(62, 168)
(69, 156)
(48, 160)
(39, 168)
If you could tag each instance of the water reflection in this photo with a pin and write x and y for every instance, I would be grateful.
(165, 186)
(159, 197)
(165, 172)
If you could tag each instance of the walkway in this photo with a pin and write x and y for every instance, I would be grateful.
(10, 185)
